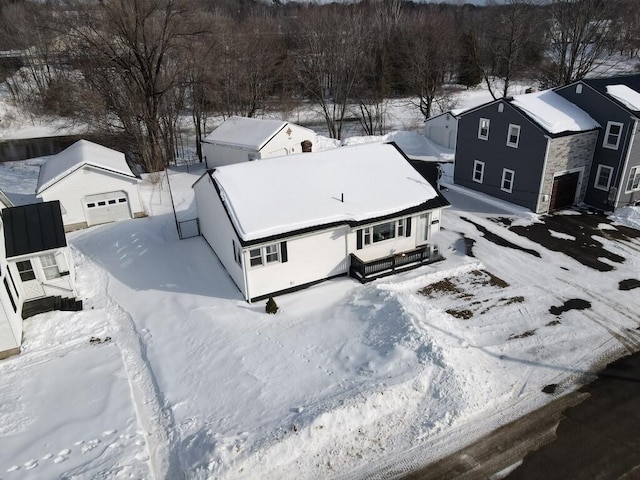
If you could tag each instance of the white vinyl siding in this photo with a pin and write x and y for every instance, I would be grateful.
(478, 171)
(483, 129)
(603, 177)
(506, 185)
(612, 135)
(634, 180)
(513, 135)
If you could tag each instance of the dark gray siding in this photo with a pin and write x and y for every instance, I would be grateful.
(632, 197)
(603, 111)
(526, 161)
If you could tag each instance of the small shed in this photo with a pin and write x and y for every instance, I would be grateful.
(94, 185)
(241, 139)
(36, 251)
(442, 129)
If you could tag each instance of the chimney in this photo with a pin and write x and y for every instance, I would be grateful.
(306, 146)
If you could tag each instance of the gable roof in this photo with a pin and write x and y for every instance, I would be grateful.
(309, 191)
(248, 133)
(81, 153)
(624, 90)
(554, 113)
(33, 228)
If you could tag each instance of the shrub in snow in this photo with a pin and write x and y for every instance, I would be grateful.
(272, 306)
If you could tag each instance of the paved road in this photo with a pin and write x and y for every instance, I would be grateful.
(598, 438)
(593, 433)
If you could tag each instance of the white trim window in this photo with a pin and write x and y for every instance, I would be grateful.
(25, 269)
(603, 177)
(272, 253)
(49, 266)
(513, 136)
(634, 180)
(384, 231)
(506, 185)
(612, 135)
(483, 128)
(478, 171)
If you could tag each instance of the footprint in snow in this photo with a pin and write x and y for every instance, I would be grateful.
(59, 459)
(31, 464)
(15, 468)
(79, 442)
(48, 456)
(108, 432)
(66, 451)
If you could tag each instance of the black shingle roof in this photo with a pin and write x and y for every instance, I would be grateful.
(33, 228)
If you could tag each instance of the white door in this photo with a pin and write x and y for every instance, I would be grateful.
(30, 284)
(106, 207)
(424, 229)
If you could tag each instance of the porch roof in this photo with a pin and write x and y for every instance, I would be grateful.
(33, 228)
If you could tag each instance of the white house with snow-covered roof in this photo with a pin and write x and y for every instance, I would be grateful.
(94, 185)
(240, 139)
(294, 221)
(533, 150)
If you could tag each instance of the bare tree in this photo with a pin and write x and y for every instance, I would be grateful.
(514, 45)
(327, 59)
(428, 41)
(579, 37)
(249, 57)
(130, 57)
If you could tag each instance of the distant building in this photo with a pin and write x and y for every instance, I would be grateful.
(241, 139)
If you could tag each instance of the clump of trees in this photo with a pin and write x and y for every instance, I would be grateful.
(136, 68)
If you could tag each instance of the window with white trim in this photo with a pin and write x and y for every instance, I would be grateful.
(507, 180)
(385, 231)
(603, 177)
(612, 135)
(478, 171)
(634, 179)
(513, 137)
(483, 129)
(264, 255)
(25, 269)
(49, 266)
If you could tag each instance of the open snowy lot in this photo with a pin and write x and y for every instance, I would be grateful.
(168, 373)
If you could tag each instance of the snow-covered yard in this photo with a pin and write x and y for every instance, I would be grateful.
(185, 379)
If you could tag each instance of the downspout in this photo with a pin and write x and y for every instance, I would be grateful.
(544, 171)
(626, 162)
(244, 275)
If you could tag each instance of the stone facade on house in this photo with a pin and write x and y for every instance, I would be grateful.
(571, 153)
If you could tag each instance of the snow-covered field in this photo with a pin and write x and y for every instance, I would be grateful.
(188, 380)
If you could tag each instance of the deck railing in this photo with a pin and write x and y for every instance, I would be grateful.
(365, 271)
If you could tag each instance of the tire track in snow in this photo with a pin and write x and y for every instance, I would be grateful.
(151, 408)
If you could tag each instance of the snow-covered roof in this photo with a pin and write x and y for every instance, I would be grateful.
(554, 113)
(347, 184)
(625, 95)
(81, 153)
(250, 133)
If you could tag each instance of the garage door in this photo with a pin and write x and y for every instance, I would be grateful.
(106, 207)
(564, 191)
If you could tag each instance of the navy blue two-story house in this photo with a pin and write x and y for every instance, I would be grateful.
(614, 102)
(533, 150)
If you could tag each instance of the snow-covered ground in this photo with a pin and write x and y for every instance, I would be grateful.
(184, 379)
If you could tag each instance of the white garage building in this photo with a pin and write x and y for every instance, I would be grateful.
(240, 139)
(94, 185)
